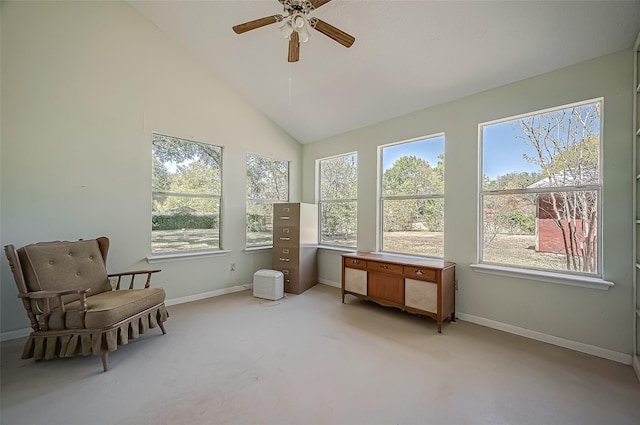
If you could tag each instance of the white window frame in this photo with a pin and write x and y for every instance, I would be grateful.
(567, 277)
(158, 256)
(322, 202)
(382, 198)
(265, 201)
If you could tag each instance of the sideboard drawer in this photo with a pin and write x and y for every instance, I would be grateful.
(355, 263)
(420, 273)
(384, 267)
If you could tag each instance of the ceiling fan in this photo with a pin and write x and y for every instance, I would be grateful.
(296, 25)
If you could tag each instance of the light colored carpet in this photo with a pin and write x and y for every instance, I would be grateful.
(309, 359)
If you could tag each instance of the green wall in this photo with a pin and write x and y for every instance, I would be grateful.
(589, 316)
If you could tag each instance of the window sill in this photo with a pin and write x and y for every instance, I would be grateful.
(255, 249)
(336, 248)
(563, 279)
(177, 256)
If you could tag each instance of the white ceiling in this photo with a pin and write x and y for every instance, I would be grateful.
(408, 55)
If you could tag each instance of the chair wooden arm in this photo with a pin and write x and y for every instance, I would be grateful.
(51, 294)
(133, 275)
(48, 295)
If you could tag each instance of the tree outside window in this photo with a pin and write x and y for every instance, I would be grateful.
(186, 195)
(338, 200)
(541, 190)
(267, 183)
(412, 197)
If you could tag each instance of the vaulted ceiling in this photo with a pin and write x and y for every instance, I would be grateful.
(408, 55)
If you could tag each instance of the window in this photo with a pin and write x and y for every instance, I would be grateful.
(338, 200)
(541, 190)
(412, 197)
(267, 183)
(186, 191)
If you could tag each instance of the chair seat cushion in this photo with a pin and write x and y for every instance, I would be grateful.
(107, 308)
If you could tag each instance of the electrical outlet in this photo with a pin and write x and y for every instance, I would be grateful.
(232, 267)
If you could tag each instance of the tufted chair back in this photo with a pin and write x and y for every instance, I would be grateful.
(54, 266)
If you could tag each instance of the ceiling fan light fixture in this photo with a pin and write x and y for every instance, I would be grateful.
(299, 21)
(304, 35)
(286, 30)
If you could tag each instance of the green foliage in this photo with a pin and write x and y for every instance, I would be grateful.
(410, 176)
(267, 179)
(338, 178)
(183, 220)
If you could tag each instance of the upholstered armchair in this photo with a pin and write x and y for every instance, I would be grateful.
(72, 306)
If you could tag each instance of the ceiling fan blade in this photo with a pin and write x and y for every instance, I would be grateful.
(317, 3)
(294, 47)
(332, 32)
(252, 25)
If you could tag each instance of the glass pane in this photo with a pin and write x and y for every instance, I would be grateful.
(259, 224)
(413, 168)
(184, 224)
(267, 178)
(413, 226)
(554, 231)
(339, 178)
(552, 149)
(183, 166)
(338, 224)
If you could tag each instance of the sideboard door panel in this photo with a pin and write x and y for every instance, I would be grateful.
(422, 295)
(387, 287)
(355, 281)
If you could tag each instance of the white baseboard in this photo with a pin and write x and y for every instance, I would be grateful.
(206, 295)
(20, 333)
(550, 339)
(636, 366)
(329, 282)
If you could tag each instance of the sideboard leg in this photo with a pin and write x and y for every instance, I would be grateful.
(453, 316)
(439, 327)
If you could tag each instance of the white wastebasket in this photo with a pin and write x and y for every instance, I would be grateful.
(268, 284)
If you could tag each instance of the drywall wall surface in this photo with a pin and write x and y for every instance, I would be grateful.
(589, 316)
(84, 84)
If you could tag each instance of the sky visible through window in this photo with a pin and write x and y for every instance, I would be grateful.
(503, 151)
(427, 149)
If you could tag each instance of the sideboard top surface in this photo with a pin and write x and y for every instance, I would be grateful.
(400, 259)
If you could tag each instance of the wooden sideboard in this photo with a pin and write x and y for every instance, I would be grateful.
(415, 285)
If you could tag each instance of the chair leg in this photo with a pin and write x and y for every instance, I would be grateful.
(105, 360)
(162, 327)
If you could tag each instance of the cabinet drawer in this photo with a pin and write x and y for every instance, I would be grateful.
(284, 214)
(423, 273)
(384, 267)
(421, 295)
(355, 281)
(286, 235)
(355, 263)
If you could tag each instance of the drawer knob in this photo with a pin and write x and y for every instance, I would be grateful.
(284, 259)
(419, 272)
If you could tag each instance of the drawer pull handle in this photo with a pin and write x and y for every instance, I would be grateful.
(355, 262)
(384, 266)
(285, 239)
(284, 259)
(285, 251)
(419, 272)
(284, 217)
